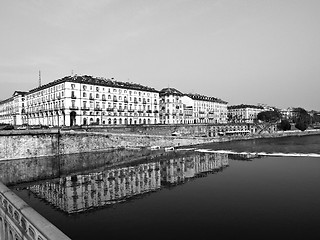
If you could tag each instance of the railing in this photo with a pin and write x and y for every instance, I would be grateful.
(73, 108)
(24, 221)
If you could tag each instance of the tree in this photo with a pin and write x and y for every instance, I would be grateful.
(301, 119)
(284, 125)
(301, 125)
(269, 116)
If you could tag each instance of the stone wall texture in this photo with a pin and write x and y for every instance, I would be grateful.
(30, 144)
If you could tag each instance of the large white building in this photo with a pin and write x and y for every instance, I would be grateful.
(12, 110)
(207, 109)
(82, 100)
(86, 100)
(171, 106)
(243, 113)
(179, 108)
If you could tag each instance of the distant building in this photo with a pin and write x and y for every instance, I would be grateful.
(287, 113)
(243, 113)
(179, 108)
(171, 106)
(12, 110)
(206, 109)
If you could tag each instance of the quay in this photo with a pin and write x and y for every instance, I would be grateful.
(23, 144)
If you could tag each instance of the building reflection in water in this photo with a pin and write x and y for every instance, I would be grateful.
(83, 192)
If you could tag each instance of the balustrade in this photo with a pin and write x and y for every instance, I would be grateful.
(24, 222)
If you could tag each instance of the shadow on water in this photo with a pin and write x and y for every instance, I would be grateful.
(33, 169)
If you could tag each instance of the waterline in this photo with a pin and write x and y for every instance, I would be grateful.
(277, 154)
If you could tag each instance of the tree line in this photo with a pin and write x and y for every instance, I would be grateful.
(300, 118)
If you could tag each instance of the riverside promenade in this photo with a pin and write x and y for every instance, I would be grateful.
(46, 143)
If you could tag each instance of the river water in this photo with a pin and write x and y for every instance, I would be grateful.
(258, 188)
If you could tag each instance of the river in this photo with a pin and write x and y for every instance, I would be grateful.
(257, 188)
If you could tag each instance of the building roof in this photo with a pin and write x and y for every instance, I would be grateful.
(12, 97)
(85, 79)
(205, 98)
(19, 93)
(170, 91)
(244, 106)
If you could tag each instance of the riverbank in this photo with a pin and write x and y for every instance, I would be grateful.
(44, 143)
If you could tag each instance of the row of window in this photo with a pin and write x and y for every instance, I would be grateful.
(113, 90)
(114, 98)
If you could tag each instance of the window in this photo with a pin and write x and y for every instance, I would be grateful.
(73, 86)
(97, 88)
(84, 87)
(84, 94)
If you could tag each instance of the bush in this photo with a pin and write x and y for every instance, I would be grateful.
(301, 125)
(284, 125)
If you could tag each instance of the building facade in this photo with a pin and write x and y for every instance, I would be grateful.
(243, 113)
(207, 109)
(171, 106)
(12, 110)
(179, 108)
(84, 100)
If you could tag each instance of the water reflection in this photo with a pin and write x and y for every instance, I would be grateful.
(82, 192)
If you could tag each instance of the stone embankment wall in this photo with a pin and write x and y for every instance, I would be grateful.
(29, 144)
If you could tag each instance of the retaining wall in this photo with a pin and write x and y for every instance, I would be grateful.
(29, 144)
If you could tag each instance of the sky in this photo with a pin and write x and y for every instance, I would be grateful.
(242, 51)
